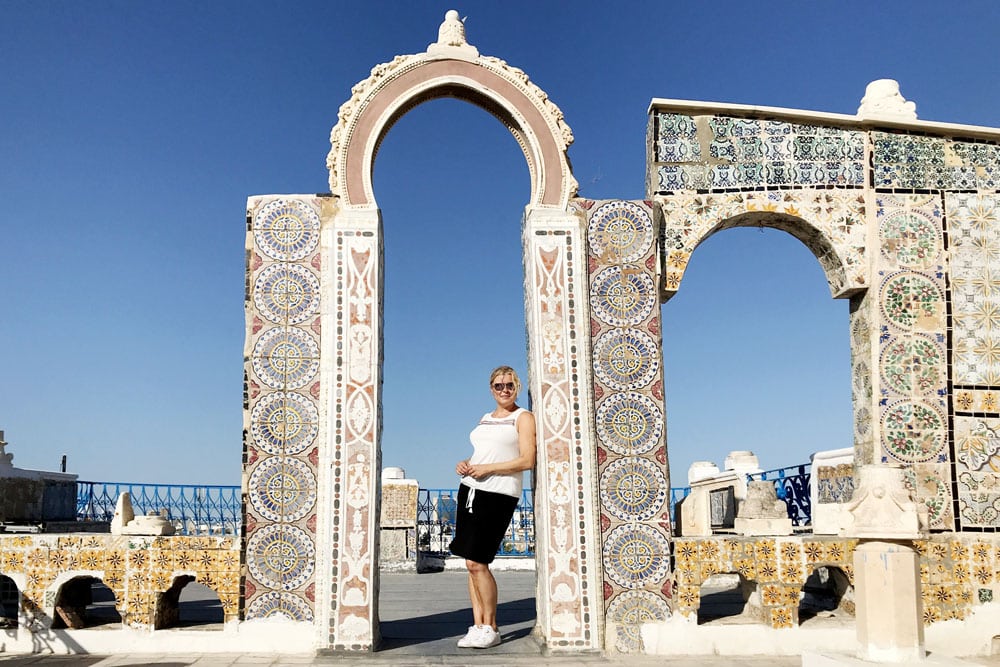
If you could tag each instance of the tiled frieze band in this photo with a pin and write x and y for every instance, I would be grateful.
(909, 161)
(557, 306)
(633, 481)
(831, 223)
(282, 413)
(723, 153)
(912, 362)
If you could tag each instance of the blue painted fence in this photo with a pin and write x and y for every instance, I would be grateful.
(193, 509)
(216, 510)
(791, 484)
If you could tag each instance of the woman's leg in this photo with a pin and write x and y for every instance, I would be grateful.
(483, 593)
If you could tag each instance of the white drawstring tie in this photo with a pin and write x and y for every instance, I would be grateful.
(468, 501)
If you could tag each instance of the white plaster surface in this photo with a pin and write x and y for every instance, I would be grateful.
(832, 659)
(271, 636)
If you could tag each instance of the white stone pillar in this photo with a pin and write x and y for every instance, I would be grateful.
(350, 462)
(889, 612)
(569, 595)
(886, 569)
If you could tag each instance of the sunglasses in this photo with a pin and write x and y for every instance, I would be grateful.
(500, 386)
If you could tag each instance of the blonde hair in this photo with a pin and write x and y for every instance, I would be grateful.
(506, 370)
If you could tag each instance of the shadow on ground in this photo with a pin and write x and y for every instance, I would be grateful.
(435, 634)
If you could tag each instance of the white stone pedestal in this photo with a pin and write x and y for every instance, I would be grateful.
(888, 604)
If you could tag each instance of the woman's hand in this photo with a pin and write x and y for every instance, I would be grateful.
(478, 471)
(464, 468)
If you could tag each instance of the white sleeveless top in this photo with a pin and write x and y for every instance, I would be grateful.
(495, 441)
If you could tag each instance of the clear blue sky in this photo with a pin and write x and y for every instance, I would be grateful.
(131, 134)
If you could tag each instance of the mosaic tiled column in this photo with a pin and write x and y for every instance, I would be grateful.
(633, 478)
(569, 598)
(862, 397)
(281, 413)
(352, 405)
(974, 236)
(912, 378)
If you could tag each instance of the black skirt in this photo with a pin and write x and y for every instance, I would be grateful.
(480, 528)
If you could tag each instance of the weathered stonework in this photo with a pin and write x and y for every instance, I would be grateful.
(139, 570)
(904, 226)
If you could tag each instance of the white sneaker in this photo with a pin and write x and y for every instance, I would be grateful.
(485, 637)
(466, 641)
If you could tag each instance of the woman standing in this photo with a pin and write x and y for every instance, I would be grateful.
(504, 447)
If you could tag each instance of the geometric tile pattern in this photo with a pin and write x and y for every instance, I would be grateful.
(831, 223)
(723, 153)
(835, 484)
(956, 572)
(933, 163)
(633, 481)
(973, 222)
(281, 410)
(138, 570)
(974, 241)
(861, 317)
(912, 362)
(778, 565)
(925, 311)
(568, 545)
(977, 467)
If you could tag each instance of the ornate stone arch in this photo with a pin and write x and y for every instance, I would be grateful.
(450, 68)
(556, 314)
(831, 223)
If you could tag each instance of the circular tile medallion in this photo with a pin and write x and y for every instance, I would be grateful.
(620, 232)
(280, 556)
(910, 240)
(636, 556)
(286, 293)
(622, 300)
(913, 365)
(629, 423)
(630, 610)
(284, 423)
(279, 604)
(907, 298)
(633, 489)
(626, 359)
(286, 230)
(913, 431)
(285, 358)
(282, 489)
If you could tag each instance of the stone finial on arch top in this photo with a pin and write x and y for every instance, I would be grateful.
(451, 67)
(883, 100)
(451, 38)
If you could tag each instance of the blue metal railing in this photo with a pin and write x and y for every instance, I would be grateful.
(193, 509)
(677, 494)
(791, 484)
(216, 509)
(436, 509)
(436, 521)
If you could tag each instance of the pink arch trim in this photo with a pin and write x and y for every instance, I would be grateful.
(436, 79)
